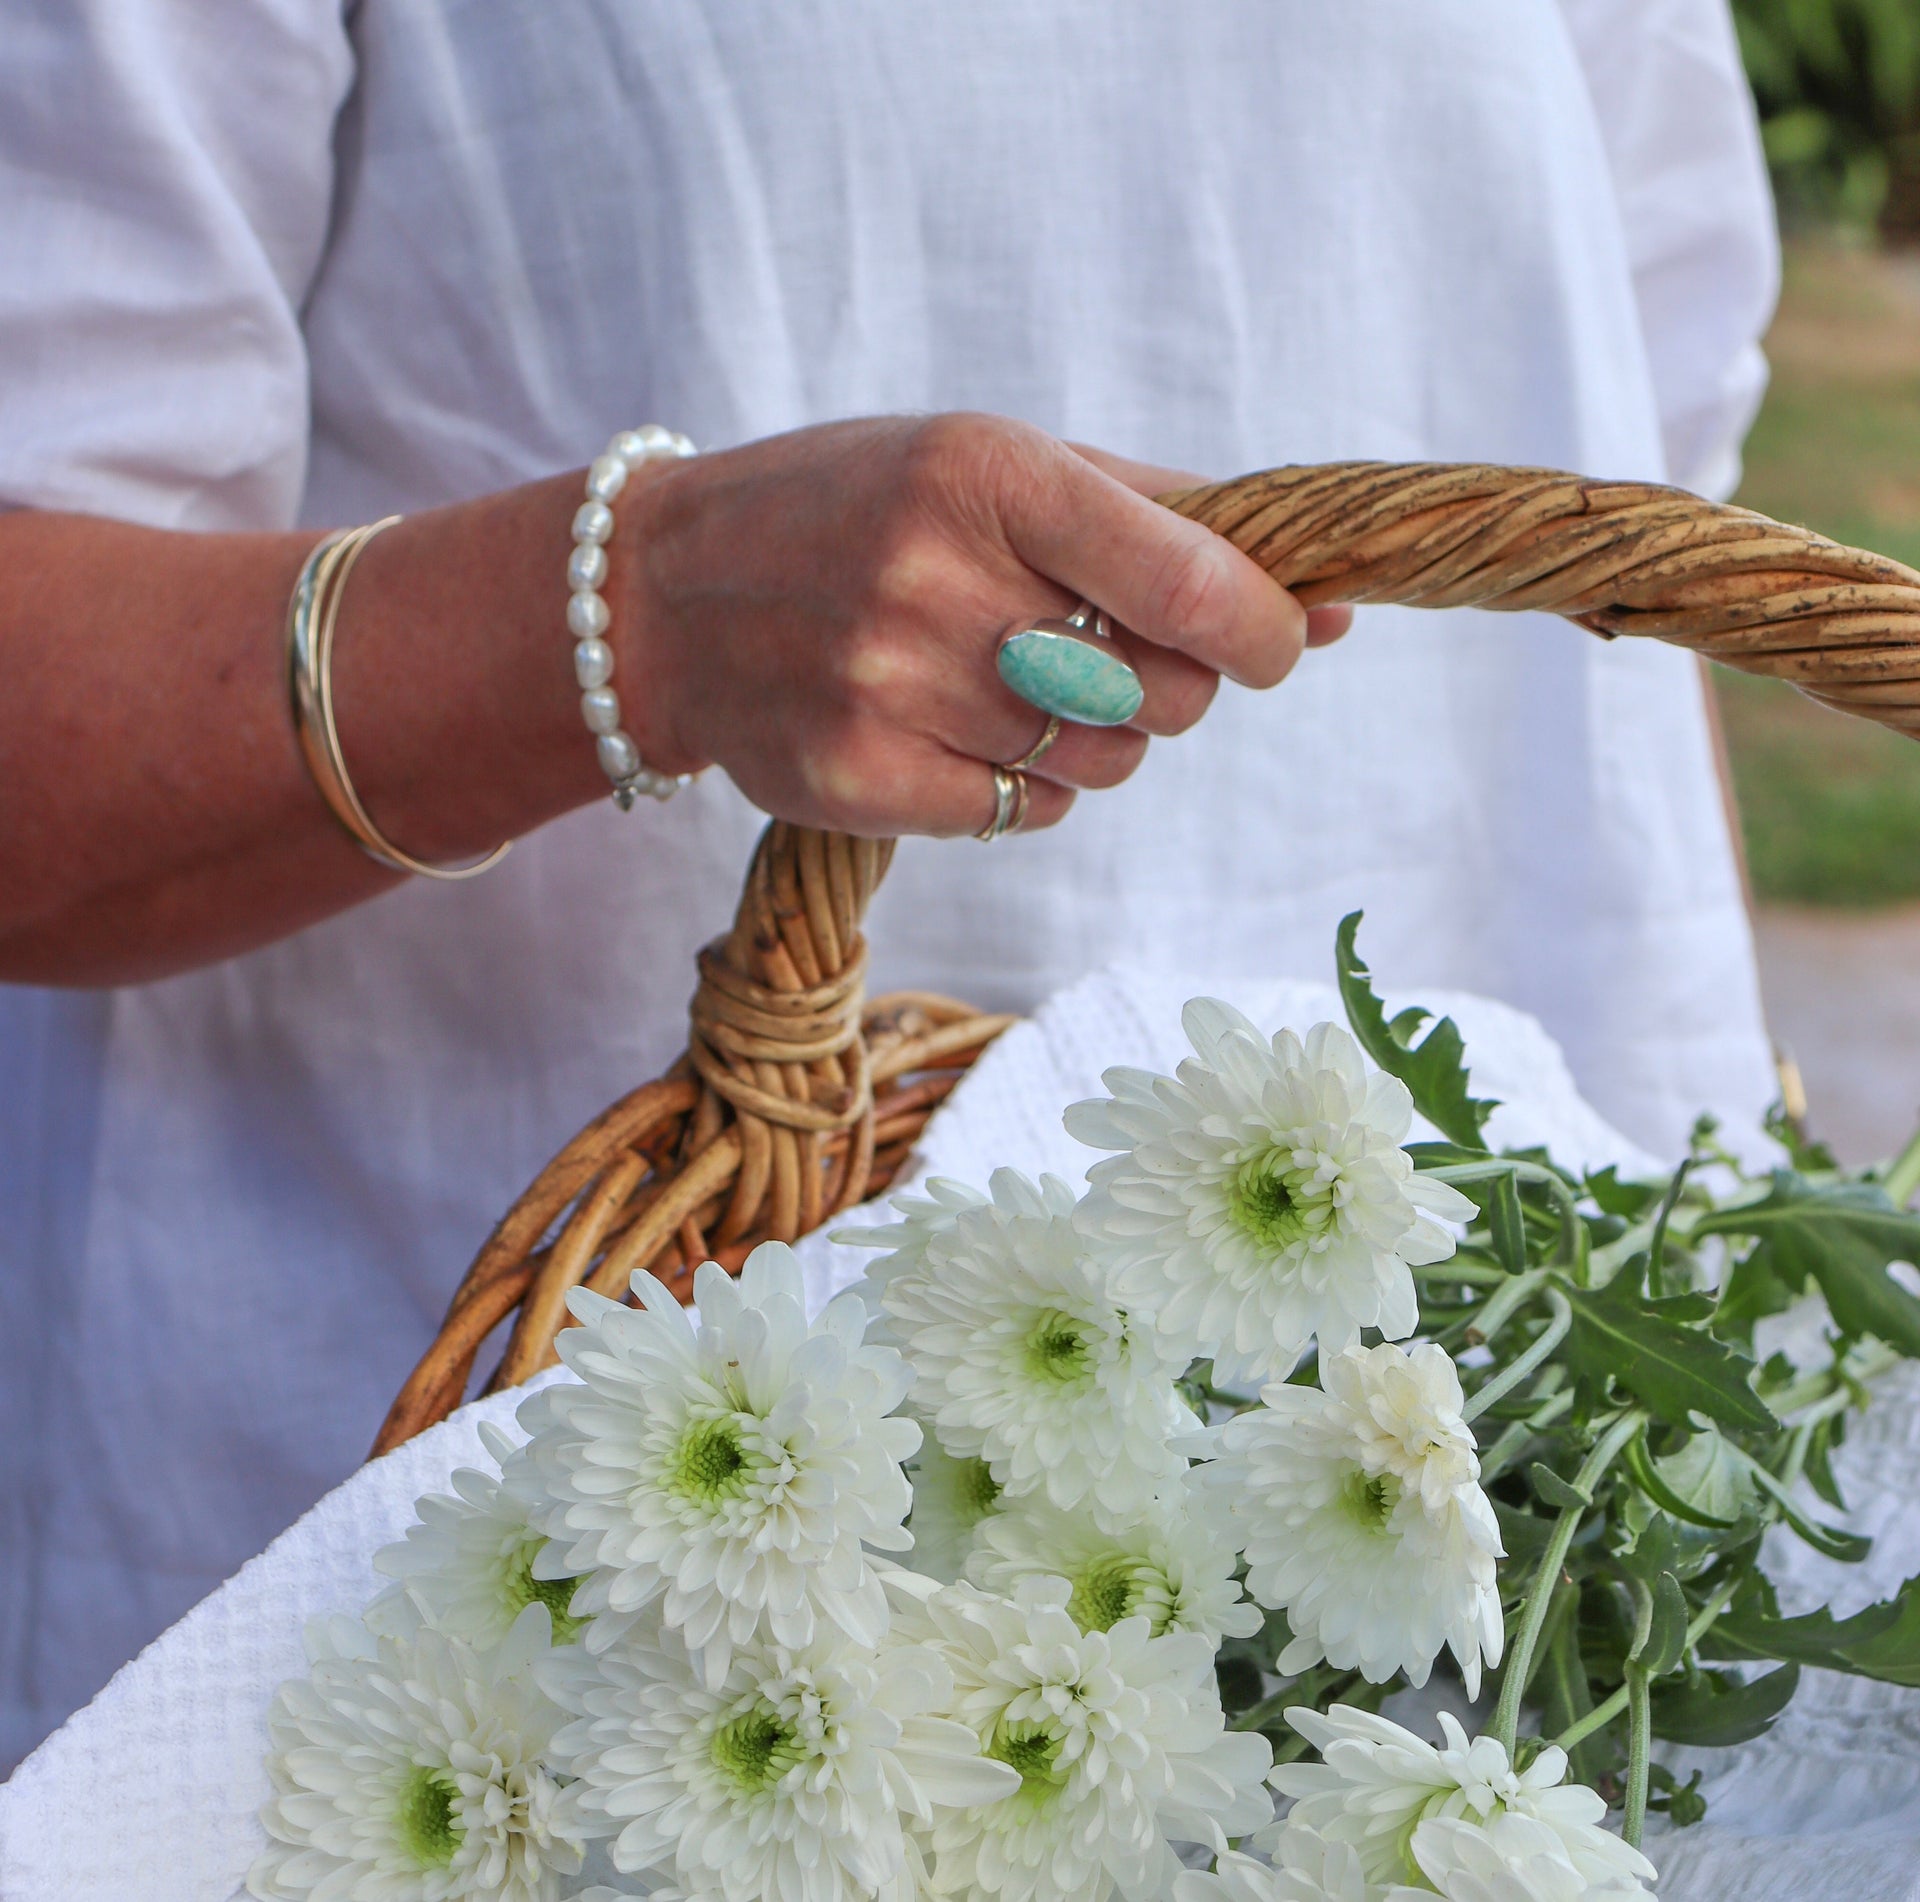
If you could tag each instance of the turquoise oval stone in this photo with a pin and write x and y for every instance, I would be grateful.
(1059, 670)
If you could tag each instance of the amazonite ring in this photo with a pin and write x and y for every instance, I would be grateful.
(1071, 669)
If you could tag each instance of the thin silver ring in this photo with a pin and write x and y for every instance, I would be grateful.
(1038, 749)
(1009, 804)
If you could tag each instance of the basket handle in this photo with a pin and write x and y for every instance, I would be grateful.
(794, 1101)
(1614, 557)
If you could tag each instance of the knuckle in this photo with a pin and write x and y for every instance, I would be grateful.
(967, 463)
(875, 668)
(848, 774)
(1192, 595)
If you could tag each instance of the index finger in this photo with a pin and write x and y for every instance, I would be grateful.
(1169, 580)
(1325, 625)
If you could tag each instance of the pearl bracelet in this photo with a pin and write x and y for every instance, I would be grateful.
(588, 616)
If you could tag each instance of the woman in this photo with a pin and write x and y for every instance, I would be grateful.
(311, 266)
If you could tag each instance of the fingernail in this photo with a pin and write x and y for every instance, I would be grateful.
(1054, 667)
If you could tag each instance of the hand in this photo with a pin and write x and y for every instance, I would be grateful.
(819, 614)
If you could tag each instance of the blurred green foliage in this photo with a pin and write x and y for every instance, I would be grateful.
(1838, 84)
(1831, 805)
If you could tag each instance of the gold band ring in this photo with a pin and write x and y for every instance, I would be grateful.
(1038, 749)
(1009, 804)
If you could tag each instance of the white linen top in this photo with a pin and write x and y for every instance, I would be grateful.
(307, 262)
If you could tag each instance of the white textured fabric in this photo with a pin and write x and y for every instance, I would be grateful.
(152, 1790)
(300, 261)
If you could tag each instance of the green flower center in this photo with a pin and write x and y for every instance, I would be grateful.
(523, 1589)
(1107, 1591)
(710, 1465)
(756, 1749)
(1030, 1749)
(1370, 1499)
(976, 1488)
(1057, 1350)
(428, 1832)
(1264, 1203)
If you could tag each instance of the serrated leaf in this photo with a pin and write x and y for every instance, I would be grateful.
(1882, 1641)
(1714, 1709)
(1673, 1368)
(1843, 1235)
(1750, 1292)
(1434, 1069)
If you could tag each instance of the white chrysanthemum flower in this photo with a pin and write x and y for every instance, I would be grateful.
(1509, 1858)
(952, 1500)
(467, 1566)
(924, 1219)
(1173, 1568)
(1305, 1868)
(1118, 1739)
(1363, 1516)
(1022, 1357)
(799, 1775)
(1262, 1197)
(735, 1473)
(1376, 1783)
(412, 1770)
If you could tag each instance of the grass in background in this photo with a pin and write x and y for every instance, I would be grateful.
(1830, 805)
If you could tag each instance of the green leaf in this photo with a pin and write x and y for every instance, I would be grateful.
(1434, 1070)
(1673, 1368)
(1666, 1640)
(1710, 1475)
(1508, 1224)
(1882, 1641)
(1843, 1235)
(1525, 1534)
(1647, 1476)
(1681, 1801)
(1561, 1688)
(1750, 1292)
(1556, 1492)
(1848, 1547)
(1628, 1200)
(1715, 1709)
(1827, 1434)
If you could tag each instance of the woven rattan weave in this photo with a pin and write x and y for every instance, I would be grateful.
(796, 1098)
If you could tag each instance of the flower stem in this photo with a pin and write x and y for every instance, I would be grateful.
(1513, 1685)
(1517, 1370)
(1903, 1173)
(1657, 1245)
(1516, 1292)
(1639, 1753)
(1508, 1447)
(1604, 1713)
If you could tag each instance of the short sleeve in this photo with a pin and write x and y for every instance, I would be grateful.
(166, 170)
(1683, 143)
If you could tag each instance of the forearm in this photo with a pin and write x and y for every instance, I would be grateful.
(818, 613)
(158, 812)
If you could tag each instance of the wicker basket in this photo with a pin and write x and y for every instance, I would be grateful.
(797, 1098)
